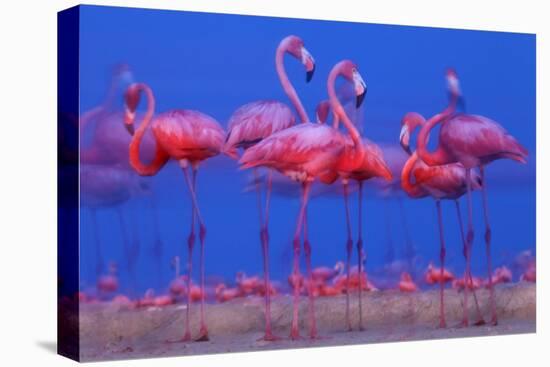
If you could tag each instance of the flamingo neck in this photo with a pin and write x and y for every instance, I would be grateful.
(413, 190)
(160, 157)
(439, 156)
(287, 85)
(340, 113)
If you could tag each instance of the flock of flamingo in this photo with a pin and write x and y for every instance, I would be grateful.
(303, 151)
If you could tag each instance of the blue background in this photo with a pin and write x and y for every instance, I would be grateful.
(215, 63)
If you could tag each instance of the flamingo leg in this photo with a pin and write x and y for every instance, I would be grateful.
(390, 253)
(294, 332)
(99, 254)
(307, 253)
(467, 273)
(494, 319)
(349, 247)
(190, 246)
(127, 250)
(360, 252)
(268, 334)
(409, 245)
(264, 238)
(442, 322)
(157, 245)
(203, 336)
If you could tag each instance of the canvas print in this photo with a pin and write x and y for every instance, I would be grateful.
(242, 183)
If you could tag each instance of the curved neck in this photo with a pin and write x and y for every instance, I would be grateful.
(161, 157)
(340, 113)
(413, 190)
(285, 82)
(439, 156)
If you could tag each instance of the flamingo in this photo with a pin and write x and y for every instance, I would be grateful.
(372, 166)
(444, 182)
(109, 144)
(189, 137)
(303, 153)
(474, 141)
(324, 273)
(406, 284)
(255, 121)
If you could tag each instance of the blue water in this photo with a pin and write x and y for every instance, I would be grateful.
(215, 63)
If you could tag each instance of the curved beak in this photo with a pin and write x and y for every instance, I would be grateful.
(309, 63)
(130, 128)
(360, 88)
(404, 137)
(309, 74)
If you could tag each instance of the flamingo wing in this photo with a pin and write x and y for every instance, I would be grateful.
(309, 148)
(480, 137)
(182, 133)
(255, 121)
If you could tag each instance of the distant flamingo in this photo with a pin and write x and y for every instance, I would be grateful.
(372, 166)
(325, 274)
(303, 153)
(224, 294)
(474, 141)
(406, 284)
(188, 137)
(254, 122)
(107, 284)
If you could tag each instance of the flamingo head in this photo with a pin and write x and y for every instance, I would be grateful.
(475, 180)
(349, 71)
(453, 85)
(339, 267)
(294, 45)
(131, 98)
(408, 124)
(322, 110)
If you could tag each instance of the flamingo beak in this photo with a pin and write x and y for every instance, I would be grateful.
(309, 63)
(309, 74)
(360, 98)
(360, 88)
(404, 137)
(130, 128)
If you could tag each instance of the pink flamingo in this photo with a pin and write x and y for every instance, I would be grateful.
(303, 153)
(445, 182)
(254, 122)
(324, 273)
(474, 141)
(189, 137)
(372, 166)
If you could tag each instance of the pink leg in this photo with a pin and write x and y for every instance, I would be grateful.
(467, 272)
(494, 319)
(442, 322)
(294, 332)
(409, 245)
(360, 253)
(349, 247)
(264, 238)
(190, 246)
(307, 253)
(127, 250)
(158, 247)
(99, 254)
(202, 235)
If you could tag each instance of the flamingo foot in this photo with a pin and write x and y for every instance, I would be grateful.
(269, 337)
(480, 322)
(185, 339)
(494, 321)
(203, 336)
(442, 324)
(295, 334)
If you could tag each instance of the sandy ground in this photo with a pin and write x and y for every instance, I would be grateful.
(110, 331)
